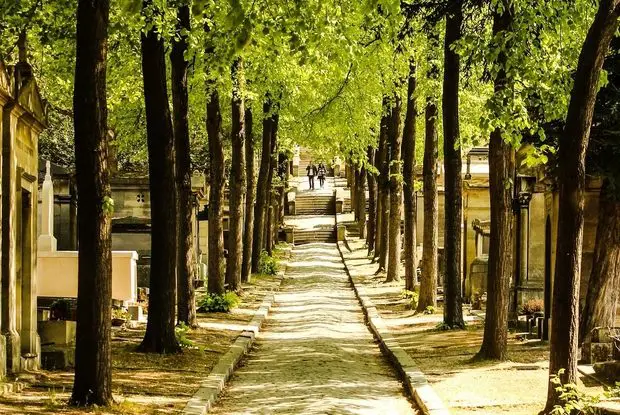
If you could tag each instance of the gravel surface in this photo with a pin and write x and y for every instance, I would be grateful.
(315, 355)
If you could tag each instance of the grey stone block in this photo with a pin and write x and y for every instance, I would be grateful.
(57, 358)
(57, 332)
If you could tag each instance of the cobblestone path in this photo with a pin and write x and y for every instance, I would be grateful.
(315, 355)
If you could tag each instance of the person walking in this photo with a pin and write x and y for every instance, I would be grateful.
(311, 169)
(321, 172)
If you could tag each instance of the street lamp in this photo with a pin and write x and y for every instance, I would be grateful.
(523, 190)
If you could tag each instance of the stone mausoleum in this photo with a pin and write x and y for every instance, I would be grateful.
(23, 119)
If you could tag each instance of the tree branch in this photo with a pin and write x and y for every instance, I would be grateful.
(336, 96)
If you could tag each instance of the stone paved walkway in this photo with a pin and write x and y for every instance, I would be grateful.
(315, 355)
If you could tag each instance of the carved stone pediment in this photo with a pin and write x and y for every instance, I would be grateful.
(30, 99)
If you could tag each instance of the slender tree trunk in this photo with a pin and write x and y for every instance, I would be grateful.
(372, 203)
(355, 173)
(453, 184)
(604, 284)
(501, 172)
(273, 165)
(409, 193)
(249, 198)
(237, 180)
(159, 336)
(260, 208)
(352, 186)
(361, 201)
(428, 280)
(93, 363)
(215, 269)
(186, 297)
(396, 192)
(384, 192)
(571, 182)
(379, 156)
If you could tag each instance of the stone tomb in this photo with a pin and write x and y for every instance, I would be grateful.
(23, 119)
(58, 270)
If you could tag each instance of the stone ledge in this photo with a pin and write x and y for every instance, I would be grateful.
(415, 382)
(11, 387)
(211, 387)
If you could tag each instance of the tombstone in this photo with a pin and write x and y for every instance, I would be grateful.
(46, 240)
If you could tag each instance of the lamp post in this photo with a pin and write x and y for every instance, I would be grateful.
(524, 188)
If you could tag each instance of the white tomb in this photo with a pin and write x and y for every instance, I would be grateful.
(57, 271)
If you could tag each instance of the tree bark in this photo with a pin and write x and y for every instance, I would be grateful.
(396, 192)
(273, 165)
(409, 193)
(237, 180)
(372, 203)
(260, 208)
(186, 268)
(159, 336)
(383, 183)
(604, 284)
(453, 184)
(93, 364)
(361, 200)
(354, 188)
(215, 271)
(250, 197)
(428, 280)
(501, 173)
(571, 182)
(379, 155)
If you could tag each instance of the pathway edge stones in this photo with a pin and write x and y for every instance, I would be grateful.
(212, 386)
(415, 382)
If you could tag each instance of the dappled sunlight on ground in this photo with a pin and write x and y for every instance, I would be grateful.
(315, 355)
(518, 386)
(310, 222)
(147, 383)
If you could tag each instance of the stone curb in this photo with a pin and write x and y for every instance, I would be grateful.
(213, 385)
(415, 382)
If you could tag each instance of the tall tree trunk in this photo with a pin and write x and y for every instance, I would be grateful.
(453, 184)
(354, 188)
(273, 165)
(604, 284)
(361, 200)
(428, 280)
(372, 203)
(260, 208)
(93, 364)
(237, 180)
(383, 183)
(409, 193)
(396, 192)
(571, 181)
(250, 197)
(159, 336)
(501, 172)
(381, 153)
(215, 272)
(186, 297)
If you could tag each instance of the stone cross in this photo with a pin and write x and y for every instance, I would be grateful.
(47, 241)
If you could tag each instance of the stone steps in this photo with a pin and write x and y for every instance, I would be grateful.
(311, 236)
(314, 205)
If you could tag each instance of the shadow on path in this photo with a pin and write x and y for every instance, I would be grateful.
(315, 355)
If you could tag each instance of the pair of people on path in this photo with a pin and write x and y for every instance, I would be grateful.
(313, 171)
